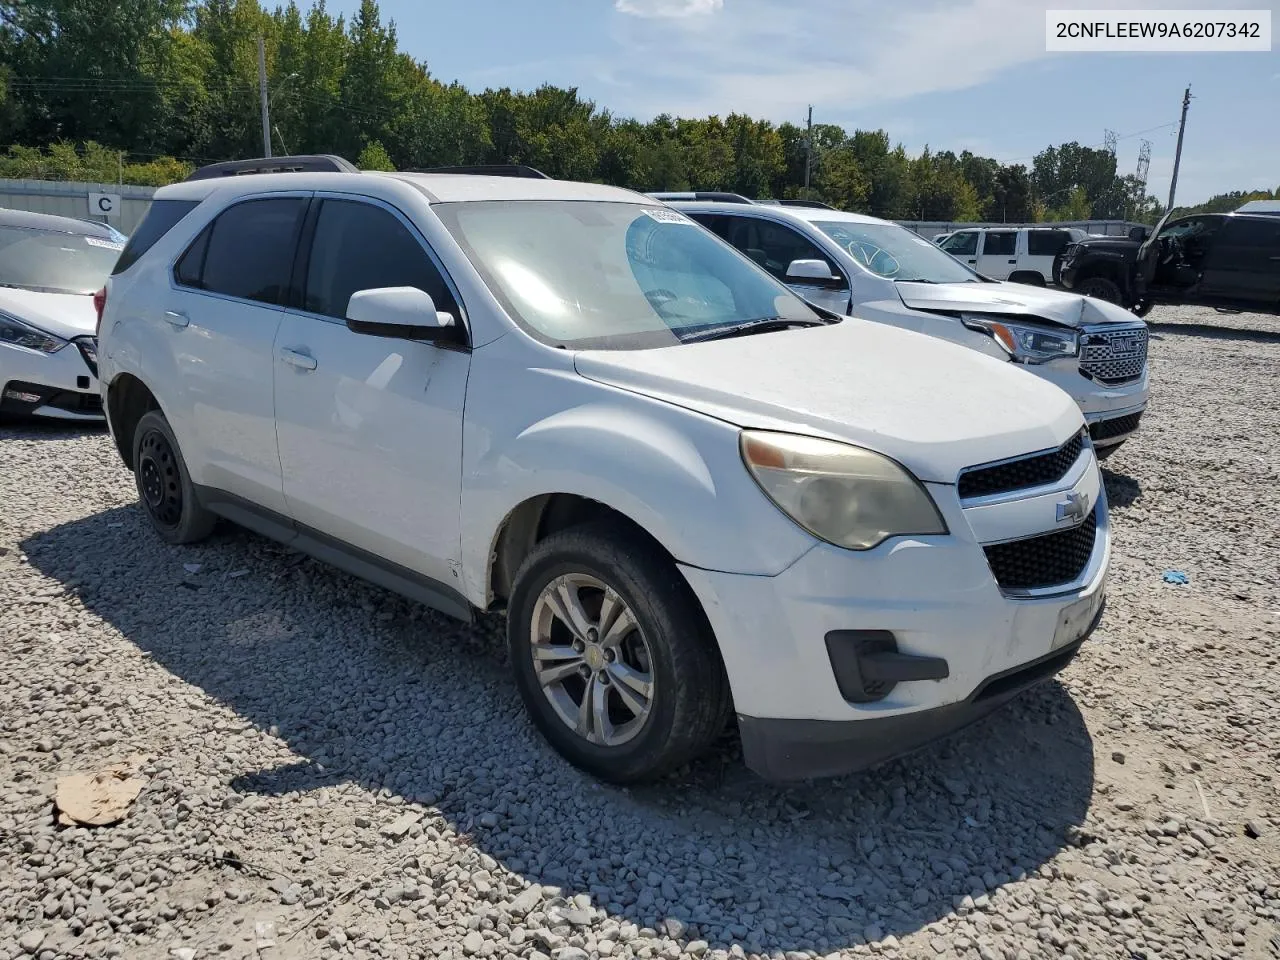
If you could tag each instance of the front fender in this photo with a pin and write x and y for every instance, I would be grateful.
(675, 473)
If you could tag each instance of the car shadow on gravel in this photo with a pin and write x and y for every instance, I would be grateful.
(369, 689)
(1215, 332)
(1123, 491)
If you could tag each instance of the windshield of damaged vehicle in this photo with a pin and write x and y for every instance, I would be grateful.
(604, 275)
(894, 252)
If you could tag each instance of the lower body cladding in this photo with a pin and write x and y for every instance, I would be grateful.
(847, 659)
(62, 385)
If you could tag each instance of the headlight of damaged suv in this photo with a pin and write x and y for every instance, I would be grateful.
(14, 331)
(1027, 343)
(843, 494)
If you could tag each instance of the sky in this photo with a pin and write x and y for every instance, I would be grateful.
(949, 74)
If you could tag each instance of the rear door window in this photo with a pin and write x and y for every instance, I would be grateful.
(1000, 243)
(247, 252)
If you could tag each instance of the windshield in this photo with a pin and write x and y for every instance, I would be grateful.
(592, 275)
(896, 253)
(49, 261)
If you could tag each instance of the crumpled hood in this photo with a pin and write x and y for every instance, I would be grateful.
(64, 315)
(933, 406)
(1013, 300)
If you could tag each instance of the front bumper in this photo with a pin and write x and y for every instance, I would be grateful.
(1112, 428)
(799, 749)
(58, 385)
(937, 596)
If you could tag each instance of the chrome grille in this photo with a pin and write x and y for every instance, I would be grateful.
(1114, 356)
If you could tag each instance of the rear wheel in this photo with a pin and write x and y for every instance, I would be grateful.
(613, 656)
(1100, 288)
(164, 486)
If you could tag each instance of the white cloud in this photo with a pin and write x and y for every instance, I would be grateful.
(668, 9)
(773, 57)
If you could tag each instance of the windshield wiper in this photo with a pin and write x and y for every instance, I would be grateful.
(912, 280)
(762, 325)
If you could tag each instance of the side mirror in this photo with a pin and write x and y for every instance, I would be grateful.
(405, 312)
(810, 270)
(1137, 234)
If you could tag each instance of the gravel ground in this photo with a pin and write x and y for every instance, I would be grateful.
(331, 771)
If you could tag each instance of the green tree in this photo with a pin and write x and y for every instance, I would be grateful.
(374, 156)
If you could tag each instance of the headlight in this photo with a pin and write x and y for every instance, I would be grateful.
(1026, 343)
(14, 331)
(843, 494)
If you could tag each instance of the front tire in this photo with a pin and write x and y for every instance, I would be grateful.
(613, 656)
(1100, 288)
(164, 487)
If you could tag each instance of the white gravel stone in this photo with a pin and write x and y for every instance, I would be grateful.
(339, 757)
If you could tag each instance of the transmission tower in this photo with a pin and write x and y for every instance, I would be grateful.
(1144, 163)
(1109, 142)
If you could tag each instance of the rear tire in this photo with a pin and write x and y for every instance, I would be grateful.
(1100, 288)
(164, 487)
(613, 656)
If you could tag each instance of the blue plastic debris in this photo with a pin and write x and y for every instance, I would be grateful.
(1176, 576)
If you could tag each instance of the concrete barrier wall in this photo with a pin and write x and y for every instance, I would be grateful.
(67, 198)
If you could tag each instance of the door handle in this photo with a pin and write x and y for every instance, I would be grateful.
(1273, 258)
(295, 358)
(176, 318)
(973, 261)
(1013, 261)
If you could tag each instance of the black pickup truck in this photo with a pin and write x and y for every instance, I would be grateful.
(1226, 260)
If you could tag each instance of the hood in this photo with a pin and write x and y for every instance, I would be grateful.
(1012, 300)
(1109, 243)
(64, 315)
(933, 406)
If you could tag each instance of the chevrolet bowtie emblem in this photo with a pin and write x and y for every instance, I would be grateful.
(1075, 508)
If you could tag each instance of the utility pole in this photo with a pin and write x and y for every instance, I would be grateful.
(262, 89)
(1177, 157)
(808, 151)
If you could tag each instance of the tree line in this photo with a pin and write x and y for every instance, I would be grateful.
(139, 91)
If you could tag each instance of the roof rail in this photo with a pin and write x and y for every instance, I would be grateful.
(312, 163)
(488, 170)
(814, 204)
(719, 196)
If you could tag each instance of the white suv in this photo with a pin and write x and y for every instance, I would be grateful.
(877, 270)
(1018, 254)
(692, 494)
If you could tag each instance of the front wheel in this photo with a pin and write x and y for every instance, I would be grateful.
(164, 486)
(613, 656)
(1100, 288)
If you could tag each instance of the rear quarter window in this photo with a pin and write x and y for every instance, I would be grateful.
(161, 217)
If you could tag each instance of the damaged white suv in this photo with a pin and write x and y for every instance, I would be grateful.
(694, 496)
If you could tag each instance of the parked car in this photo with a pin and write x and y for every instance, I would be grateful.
(876, 270)
(1016, 254)
(1225, 260)
(50, 267)
(693, 494)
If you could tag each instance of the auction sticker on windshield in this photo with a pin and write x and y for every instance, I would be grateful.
(667, 216)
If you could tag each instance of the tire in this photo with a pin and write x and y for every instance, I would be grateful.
(1142, 308)
(667, 640)
(1100, 288)
(164, 487)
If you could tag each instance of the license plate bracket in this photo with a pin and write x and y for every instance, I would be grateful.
(1074, 620)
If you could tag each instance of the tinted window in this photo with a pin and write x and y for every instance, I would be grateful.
(191, 266)
(1047, 243)
(961, 244)
(359, 246)
(773, 246)
(718, 225)
(159, 220)
(250, 249)
(1251, 233)
(1000, 244)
